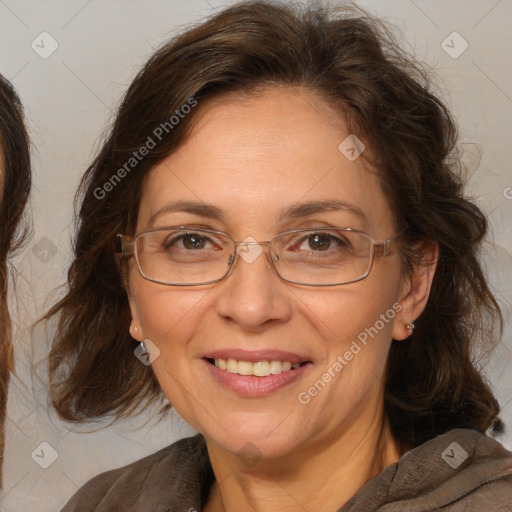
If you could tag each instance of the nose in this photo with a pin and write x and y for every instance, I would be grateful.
(252, 295)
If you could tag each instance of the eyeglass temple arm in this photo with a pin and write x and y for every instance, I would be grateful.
(386, 247)
(123, 245)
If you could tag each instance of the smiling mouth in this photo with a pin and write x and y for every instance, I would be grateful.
(263, 368)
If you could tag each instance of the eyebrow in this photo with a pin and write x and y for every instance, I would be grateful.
(293, 212)
(195, 208)
(298, 211)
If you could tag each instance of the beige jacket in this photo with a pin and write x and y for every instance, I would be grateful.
(460, 471)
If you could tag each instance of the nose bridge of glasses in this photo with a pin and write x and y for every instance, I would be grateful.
(250, 250)
(250, 242)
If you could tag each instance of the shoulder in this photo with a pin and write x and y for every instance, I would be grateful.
(145, 483)
(461, 470)
(485, 483)
(494, 496)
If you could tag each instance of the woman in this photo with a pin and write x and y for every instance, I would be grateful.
(15, 181)
(275, 219)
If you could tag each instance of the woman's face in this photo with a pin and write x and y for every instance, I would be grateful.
(252, 159)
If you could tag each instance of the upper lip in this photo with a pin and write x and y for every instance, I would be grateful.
(256, 355)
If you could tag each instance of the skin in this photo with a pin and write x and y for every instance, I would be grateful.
(251, 157)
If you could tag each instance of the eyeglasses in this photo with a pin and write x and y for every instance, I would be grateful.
(186, 256)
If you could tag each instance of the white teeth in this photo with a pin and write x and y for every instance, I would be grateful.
(276, 367)
(232, 366)
(259, 368)
(245, 368)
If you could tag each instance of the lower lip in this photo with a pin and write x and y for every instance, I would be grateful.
(252, 386)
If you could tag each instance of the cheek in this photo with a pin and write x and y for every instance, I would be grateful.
(360, 334)
(171, 319)
(164, 312)
(345, 313)
(355, 324)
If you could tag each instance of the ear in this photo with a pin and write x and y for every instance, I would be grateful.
(415, 292)
(136, 331)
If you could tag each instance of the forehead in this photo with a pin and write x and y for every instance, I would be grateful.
(254, 154)
(274, 119)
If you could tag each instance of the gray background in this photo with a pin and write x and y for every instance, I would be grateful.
(69, 98)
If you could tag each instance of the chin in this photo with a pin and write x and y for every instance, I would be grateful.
(256, 439)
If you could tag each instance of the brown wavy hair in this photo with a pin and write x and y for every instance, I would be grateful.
(354, 62)
(15, 179)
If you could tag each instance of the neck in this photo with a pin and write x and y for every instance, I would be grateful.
(320, 476)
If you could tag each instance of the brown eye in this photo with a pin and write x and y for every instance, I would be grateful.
(188, 241)
(193, 241)
(319, 242)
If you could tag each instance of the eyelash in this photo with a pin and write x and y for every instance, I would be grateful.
(340, 242)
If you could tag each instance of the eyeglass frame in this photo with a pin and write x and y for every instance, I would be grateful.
(126, 244)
